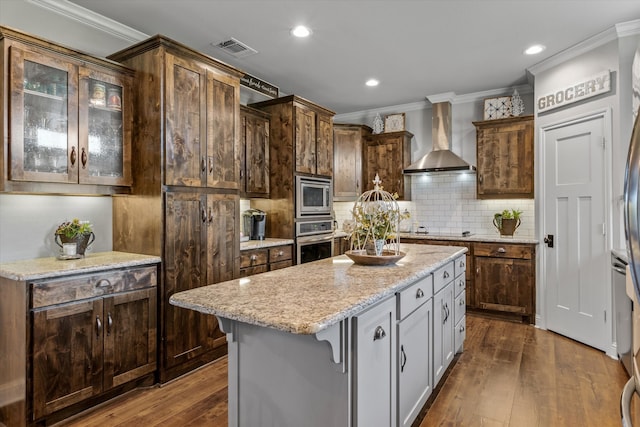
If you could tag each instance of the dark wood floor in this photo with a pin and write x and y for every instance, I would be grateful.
(510, 374)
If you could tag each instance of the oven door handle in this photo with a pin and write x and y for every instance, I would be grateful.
(315, 239)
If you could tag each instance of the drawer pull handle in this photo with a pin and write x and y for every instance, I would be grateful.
(462, 301)
(254, 257)
(109, 323)
(103, 283)
(461, 283)
(98, 326)
(502, 250)
(461, 263)
(445, 275)
(419, 294)
(379, 333)
(280, 253)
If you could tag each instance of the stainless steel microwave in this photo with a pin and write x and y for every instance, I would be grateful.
(314, 196)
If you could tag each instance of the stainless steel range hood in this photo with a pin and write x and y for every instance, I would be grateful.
(441, 158)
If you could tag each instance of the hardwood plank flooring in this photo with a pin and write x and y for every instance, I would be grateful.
(510, 374)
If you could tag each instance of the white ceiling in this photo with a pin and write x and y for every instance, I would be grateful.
(415, 48)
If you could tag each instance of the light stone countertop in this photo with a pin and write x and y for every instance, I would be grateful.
(41, 268)
(307, 298)
(491, 238)
(266, 243)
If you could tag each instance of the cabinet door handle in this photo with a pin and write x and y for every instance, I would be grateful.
(74, 156)
(204, 215)
(379, 333)
(210, 215)
(403, 358)
(419, 294)
(203, 164)
(109, 323)
(210, 165)
(445, 275)
(241, 174)
(98, 326)
(480, 178)
(83, 158)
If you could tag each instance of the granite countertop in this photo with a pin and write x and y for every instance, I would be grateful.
(472, 238)
(307, 298)
(266, 243)
(41, 268)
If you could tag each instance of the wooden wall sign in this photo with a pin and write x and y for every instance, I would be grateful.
(259, 85)
(592, 86)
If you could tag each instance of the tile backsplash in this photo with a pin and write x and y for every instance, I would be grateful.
(446, 203)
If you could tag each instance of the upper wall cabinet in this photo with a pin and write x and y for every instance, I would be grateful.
(387, 154)
(254, 156)
(301, 134)
(347, 160)
(68, 122)
(505, 158)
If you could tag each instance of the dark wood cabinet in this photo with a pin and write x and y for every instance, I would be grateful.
(505, 278)
(348, 140)
(254, 156)
(341, 245)
(387, 154)
(202, 125)
(505, 158)
(186, 182)
(90, 334)
(300, 143)
(254, 261)
(69, 119)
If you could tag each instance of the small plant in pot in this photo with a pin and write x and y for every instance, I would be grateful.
(75, 231)
(507, 221)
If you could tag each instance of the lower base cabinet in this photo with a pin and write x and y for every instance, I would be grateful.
(90, 333)
(255, 261)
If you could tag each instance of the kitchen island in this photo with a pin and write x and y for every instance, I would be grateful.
(321, 344)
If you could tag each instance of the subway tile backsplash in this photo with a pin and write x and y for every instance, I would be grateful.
(446, 203)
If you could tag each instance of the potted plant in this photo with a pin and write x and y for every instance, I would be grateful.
(507, 221)
(75, 231)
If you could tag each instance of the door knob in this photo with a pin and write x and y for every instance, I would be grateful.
(549, 240)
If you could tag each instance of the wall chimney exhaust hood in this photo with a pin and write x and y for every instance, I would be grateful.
(441, 158)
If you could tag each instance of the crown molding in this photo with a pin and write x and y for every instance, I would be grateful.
(92, 19)
(620, 30)
(413, 106)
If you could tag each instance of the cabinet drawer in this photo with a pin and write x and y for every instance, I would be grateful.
(253, 258)
(74, 288)
(460, 265)
(459, 307)
(459, 334)
(250, 271)
(442, 276)
(503, 250)
(280, 253)
(414, 296)
(281, 264)
(461, 284)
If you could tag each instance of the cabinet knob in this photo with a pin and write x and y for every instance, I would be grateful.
(253, 257)
(462, 301)
(461, 328)
(379, 333)
(280, 253)
(461, 283)
(419, 293)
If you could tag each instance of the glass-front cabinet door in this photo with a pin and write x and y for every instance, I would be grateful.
(44, 118)
(70, 121)
(105, 158)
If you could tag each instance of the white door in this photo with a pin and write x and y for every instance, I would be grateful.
(577, 266)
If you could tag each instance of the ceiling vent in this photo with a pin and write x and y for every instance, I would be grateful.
(236, 48)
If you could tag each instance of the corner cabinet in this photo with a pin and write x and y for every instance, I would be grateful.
(505, 158)
(387, 154)
(348, 141)
(69, 119)
(186, 181)
(254, 153)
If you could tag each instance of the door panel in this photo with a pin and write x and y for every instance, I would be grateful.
(574, 212)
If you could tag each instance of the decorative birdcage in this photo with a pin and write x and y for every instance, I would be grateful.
(376, 216)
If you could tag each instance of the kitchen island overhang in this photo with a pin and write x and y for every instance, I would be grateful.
(295, 352)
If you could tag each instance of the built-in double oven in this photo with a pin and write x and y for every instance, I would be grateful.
(314, 218)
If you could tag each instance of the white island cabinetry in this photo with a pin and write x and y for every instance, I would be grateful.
(330, 343)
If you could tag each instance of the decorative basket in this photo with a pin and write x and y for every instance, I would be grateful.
(377, 218)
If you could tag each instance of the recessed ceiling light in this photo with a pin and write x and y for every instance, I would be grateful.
(372, 82)
(535, 49)
(301, 31)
